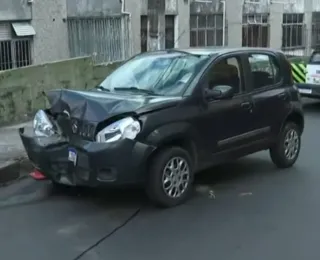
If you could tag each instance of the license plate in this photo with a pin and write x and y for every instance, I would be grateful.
(316, 80)
(72, 157)
(305, 91)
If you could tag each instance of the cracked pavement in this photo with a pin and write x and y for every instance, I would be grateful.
(245, 210)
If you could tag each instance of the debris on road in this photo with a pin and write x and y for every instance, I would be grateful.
(243, 194)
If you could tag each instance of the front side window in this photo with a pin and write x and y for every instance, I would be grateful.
(264, 69)
(226, 72)
(157, 73)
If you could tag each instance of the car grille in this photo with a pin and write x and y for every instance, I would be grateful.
(76, 127)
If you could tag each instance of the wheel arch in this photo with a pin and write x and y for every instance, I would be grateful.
(297, 118)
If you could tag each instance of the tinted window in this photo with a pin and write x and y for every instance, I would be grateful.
(265, 70)
(226, 72)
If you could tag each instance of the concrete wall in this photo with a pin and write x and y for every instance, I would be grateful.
(290, 6)
(200, 7)
(92, 8)
(171, 6)
(134, 8)
(21, 90)
(14, 10)
(234, 23)
(182, 30)
(51, 40)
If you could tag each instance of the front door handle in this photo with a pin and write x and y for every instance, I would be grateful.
(283, 96)
(246, 105)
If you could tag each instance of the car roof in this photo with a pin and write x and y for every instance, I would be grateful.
(223, 50)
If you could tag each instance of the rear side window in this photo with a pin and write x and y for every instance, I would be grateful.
(315, 58)
(265, 70)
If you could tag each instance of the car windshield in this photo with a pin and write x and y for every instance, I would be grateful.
(315, 58)
(164, 74)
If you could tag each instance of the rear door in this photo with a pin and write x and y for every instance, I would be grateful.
(269, 93)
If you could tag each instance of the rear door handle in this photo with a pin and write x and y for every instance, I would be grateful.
(246, 105)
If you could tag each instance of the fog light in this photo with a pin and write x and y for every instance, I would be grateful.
(107, 175)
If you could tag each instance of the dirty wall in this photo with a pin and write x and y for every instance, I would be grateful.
(21, 90)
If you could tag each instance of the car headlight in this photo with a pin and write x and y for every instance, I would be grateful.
(124, 128)
(42, 125)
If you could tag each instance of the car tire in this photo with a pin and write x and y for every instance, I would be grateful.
(282, 155)
(159, 181)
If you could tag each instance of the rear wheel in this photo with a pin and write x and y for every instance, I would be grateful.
(287, 148)
(170, 177)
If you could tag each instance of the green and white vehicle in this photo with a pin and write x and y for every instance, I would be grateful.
(307, 77)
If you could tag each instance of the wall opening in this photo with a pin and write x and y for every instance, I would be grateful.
(144, 33)
(206, 30)
(255, 30)
(169, 31)
(15, 51)
(315, 30)
(293, 33)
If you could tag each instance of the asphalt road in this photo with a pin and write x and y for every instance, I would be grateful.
(247, 210)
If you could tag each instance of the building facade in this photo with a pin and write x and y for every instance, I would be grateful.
(34, 31)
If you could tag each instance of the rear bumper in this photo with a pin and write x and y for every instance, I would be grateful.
(309, 90)
(120, 163)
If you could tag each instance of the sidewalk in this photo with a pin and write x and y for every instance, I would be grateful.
(13, 159)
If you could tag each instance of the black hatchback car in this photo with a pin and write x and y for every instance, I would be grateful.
(163, 116)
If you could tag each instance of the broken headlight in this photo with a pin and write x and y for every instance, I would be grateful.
(126, 128)
(42, 125)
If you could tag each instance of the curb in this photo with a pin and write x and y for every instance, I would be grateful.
(15, 170)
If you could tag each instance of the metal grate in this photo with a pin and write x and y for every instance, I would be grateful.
(105, 38)
(15, 53)
(255, 30)
(206, 30)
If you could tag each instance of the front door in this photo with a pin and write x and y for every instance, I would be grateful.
(227, 124)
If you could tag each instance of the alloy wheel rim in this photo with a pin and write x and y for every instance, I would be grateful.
(291, 144)
(175, 177)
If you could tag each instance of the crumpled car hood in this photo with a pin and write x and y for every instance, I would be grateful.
(97, 106)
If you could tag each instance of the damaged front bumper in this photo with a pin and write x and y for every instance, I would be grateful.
(79, 162)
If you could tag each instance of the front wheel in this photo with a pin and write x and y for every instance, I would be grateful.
(287, 148)
(170, 177)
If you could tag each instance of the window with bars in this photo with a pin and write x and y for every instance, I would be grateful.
(255, 30)
(293, 31)
(316, 30)
(169, 31)
(15, 53)
(144, 32)
(206, 30)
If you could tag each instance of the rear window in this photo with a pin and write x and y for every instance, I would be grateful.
(315, 58)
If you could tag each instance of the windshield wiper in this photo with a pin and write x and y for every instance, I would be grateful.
(102, 88)
(134, 89)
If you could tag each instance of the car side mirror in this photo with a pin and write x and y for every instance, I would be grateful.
(219, 92)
